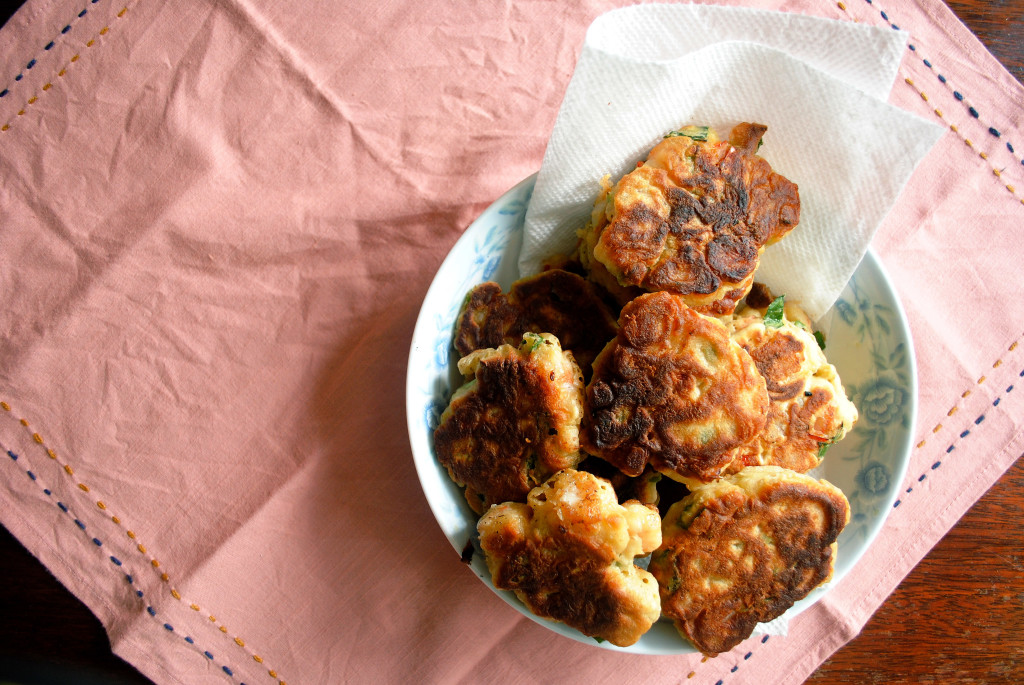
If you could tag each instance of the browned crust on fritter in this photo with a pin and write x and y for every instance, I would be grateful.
(746, 137)
(509, 420)
(801, 558)
(569, 572)
(802, 415)
(565, 578)
(484, 318)
(669, 373)
(778, 359)
(798, 450)
(555, 301)
(718, 204)
(759, 297)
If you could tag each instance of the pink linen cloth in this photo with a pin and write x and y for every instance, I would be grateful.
(217, 223)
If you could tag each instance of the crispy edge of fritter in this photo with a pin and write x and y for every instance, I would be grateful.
(636, 411)
(482, 439)
(698, 529)
(569, 557)
(483, 319)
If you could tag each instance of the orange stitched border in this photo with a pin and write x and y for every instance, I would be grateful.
(118, 563)
(967, 141)
(966, 393)
(952, 126)
(64, 70)
(153, 562)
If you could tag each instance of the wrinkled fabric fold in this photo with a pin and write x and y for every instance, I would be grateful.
(217, 224)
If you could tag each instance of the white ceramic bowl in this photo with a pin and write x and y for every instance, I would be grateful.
(868, 341)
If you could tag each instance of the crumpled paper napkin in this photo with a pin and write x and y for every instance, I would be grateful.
(819, 85)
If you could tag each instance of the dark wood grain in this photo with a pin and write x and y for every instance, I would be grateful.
(957, 618)
(1000, 26)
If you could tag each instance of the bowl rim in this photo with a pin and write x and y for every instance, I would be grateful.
(883, 282)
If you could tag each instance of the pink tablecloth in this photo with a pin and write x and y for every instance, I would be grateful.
(217, 223)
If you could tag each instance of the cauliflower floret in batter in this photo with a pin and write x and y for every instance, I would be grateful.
(568, 555)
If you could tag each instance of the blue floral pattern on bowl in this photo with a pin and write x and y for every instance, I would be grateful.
(879, 377)
(867, 339)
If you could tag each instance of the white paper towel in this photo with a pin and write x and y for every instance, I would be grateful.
(818, 85)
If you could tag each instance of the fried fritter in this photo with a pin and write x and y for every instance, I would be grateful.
(672, 390)
(515, 423)
(568, 555)
(692, 219)
(809, 409)
(740, 551)
(556, 301)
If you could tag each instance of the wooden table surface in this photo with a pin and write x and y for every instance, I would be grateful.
(957, 618)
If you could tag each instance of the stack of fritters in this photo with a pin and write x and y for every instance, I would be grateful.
(731, 404)
(692, 219)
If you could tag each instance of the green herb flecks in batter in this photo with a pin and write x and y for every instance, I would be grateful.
(775, 315)
(694, 132)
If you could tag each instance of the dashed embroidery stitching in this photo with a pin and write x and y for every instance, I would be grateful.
(966, 393)
(118, 563)
(46, 48)
(152, 561)
(735, 666)
(959, 96)
(272, 673)
(63, 71)
(963, 434)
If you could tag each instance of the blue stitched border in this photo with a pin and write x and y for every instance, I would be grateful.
(959, 96)
(49, 46)
(116, 562)
(963, 434)
(937, 464)
(750, 653)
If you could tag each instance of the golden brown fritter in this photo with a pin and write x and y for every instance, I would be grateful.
(692, 219)
(809, 409)
(568, 555)
(672, 390)
(740, 551)
(555, 301)
(515, 423)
